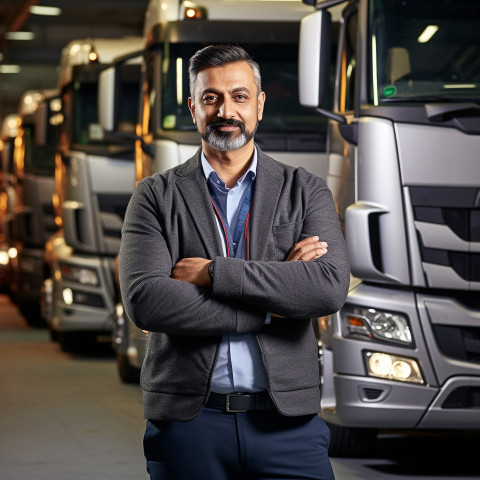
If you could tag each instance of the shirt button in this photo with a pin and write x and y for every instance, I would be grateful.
(231, 192)
(218, 181)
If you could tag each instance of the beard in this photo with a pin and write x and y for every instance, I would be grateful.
(223, 141)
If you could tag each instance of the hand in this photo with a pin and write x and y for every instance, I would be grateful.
(307, 249)
(193, 270)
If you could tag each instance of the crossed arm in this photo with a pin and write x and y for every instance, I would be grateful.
(195, 270)
(179, 299)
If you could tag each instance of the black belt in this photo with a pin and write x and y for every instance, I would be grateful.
(240, 402)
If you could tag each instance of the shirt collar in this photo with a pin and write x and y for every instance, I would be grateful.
(208, 170)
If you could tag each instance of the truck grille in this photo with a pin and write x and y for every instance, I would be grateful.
(459, 209)
(462, 343)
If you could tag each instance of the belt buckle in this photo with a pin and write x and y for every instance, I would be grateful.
(227, 404)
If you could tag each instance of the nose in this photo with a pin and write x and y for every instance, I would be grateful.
(226, 109)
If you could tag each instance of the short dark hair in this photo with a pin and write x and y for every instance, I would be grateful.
(217, 56)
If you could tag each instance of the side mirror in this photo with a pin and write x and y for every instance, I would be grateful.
(48, 118)
(314, 65)
(314, 59)
(106, 99)
(41, 122)
(119, 95)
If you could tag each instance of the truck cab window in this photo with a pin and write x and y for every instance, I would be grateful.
(279, 69)
(426, 51)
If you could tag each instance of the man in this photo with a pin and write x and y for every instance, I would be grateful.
(221, 260)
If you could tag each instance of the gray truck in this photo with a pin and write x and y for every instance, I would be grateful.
(94, 180)
(33, 221)
(403, 165)
(8, 195)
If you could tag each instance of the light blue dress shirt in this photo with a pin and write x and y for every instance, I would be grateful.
(239, 365)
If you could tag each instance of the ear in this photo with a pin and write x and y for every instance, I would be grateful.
(191, 107)
(261, 103)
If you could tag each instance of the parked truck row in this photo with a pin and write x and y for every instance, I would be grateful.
(380, 97)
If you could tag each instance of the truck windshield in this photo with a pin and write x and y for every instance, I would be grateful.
(86, 129)
(38, 160)
(279, 70)
(425, 50)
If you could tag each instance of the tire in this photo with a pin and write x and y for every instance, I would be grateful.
(351, 442)
(127, 372)
(53, 334)
(32, 315)
(71, 342)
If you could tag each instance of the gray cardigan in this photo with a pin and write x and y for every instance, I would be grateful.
(170, 217)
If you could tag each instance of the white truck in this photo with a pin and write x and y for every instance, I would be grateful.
(8, 253)
(94, 181)
(33, 221)
(403, 149)
(174, 31)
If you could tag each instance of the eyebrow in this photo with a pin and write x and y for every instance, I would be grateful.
(218, 92)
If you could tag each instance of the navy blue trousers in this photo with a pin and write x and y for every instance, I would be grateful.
(218, 445)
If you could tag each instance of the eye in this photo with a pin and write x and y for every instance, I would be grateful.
(241, 97)
(209, 99)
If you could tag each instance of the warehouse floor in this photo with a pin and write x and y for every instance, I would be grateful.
(69, 417)
(63, 417)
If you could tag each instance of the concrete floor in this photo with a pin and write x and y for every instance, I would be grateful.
(63, 417)
(69, 417)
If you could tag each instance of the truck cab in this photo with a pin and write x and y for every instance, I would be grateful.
(33, 220)
(94, 177)
(8, 195)
(403, 142)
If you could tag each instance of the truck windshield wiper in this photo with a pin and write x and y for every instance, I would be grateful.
(446, 111)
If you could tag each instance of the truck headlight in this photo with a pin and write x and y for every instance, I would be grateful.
(372, 323)
(77, 297)
(84, 276)
(67, 296)
(393, 367)
(4, 258)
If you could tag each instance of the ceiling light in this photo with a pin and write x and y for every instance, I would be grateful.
(10, 68)
(19, 35)
(42, 10)
(427, 34)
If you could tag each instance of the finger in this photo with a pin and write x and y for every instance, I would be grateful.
(307, 240)
(312, 255)
(301, 249)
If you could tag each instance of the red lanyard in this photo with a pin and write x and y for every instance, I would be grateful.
(243, 219)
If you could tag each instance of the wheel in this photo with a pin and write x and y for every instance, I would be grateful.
(53, 334)
(127, 372)
(351, 442)
(71, 342)
(32, 315)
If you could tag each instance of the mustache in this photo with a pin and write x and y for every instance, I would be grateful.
(227, 123)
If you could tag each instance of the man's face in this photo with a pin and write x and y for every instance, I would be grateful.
(227, 106)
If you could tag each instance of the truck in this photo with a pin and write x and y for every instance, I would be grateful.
(8, 253)
(403, 142)
(32, 222)
(165, 134)
(94, 178)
